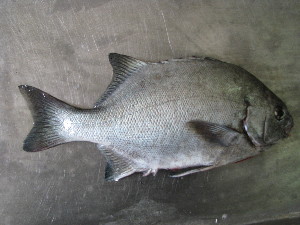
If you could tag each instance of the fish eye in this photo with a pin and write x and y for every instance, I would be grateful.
(279, 113)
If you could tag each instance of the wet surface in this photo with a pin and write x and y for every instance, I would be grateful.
(62, 48)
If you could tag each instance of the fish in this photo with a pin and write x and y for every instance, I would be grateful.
(196, 114)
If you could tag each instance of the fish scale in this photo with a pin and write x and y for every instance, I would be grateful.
(194, 112)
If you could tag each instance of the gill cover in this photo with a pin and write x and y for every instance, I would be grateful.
(255, 125)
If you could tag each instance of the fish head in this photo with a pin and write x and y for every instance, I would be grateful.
(279, 123)
(266, 124)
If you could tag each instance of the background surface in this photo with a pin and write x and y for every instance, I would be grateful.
(62, 46)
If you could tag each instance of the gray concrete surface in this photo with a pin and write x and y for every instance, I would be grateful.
(61, 46)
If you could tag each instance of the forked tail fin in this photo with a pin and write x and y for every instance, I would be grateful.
(47, 113)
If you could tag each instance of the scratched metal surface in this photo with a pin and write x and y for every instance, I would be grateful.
(61, 46)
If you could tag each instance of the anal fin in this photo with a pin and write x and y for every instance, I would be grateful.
(115, 171)
(117, 166)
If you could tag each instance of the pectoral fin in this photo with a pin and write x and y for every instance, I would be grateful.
(215, 133)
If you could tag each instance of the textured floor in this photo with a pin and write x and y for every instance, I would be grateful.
(62, 46)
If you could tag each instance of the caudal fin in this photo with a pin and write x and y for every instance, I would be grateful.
(46, 112)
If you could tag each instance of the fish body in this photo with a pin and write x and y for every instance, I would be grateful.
(195, 112)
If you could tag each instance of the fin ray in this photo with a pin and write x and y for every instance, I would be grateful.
(192, 171)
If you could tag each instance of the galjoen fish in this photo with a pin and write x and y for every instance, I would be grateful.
(180, 113)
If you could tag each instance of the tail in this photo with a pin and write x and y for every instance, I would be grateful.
(47, 114)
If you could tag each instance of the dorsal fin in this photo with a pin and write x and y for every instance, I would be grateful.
(123, 67)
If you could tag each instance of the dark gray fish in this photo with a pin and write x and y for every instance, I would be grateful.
(181, 113)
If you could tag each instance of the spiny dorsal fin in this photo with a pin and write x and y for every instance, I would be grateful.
(123, 67)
